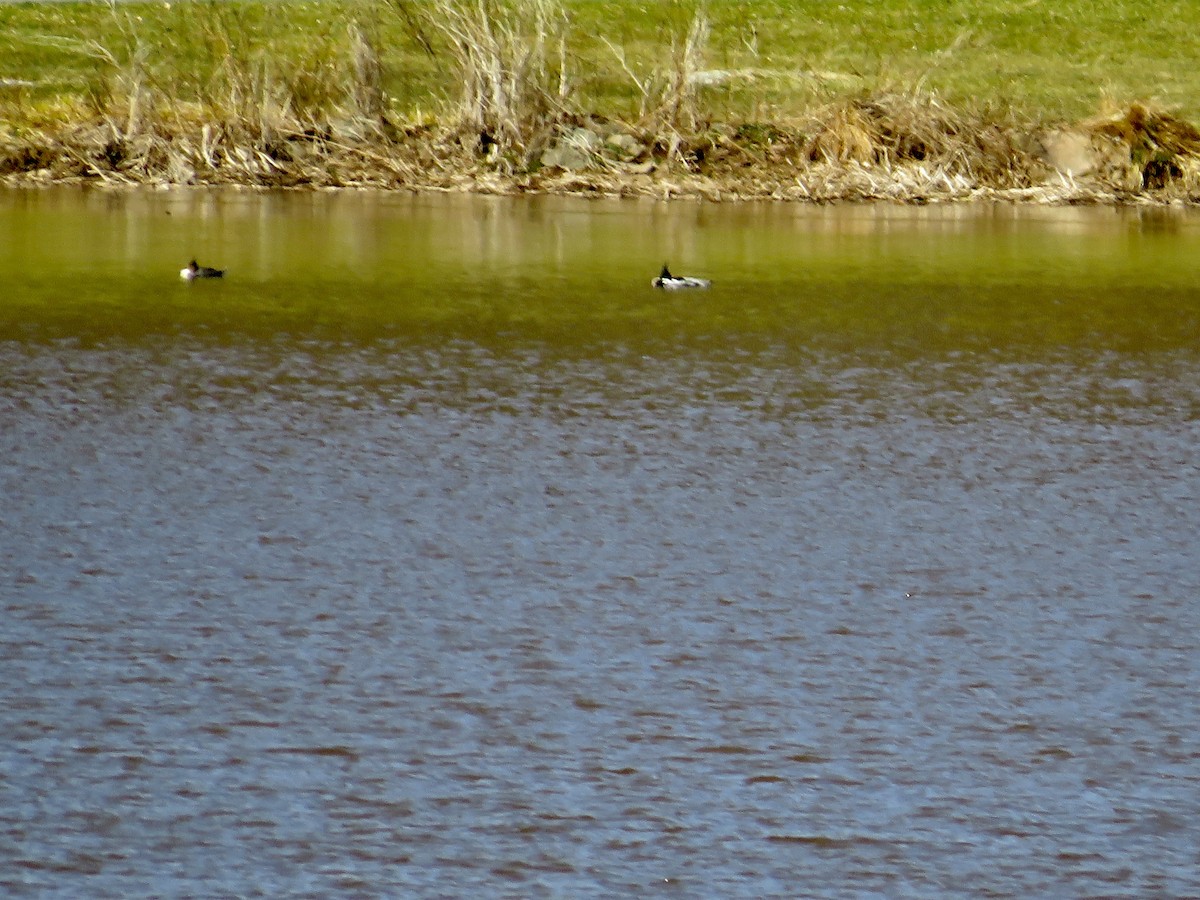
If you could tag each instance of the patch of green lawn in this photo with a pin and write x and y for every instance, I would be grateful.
(1046, 61)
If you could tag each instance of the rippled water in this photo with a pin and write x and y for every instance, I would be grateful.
(484, 569)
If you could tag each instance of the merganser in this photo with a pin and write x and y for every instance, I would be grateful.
(195, 270)
(669, 282)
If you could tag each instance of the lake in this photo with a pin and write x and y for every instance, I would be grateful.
(432, 552)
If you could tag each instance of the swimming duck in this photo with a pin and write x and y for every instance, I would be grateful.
(195, 270)
(669, 282)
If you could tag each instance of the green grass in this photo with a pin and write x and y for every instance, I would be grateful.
(1051, 60)
(1041, 60)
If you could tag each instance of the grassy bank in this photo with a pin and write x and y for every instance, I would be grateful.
(743, 98)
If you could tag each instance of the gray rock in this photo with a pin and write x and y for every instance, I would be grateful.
(576, 148)
(1071, 152)
(624, 147)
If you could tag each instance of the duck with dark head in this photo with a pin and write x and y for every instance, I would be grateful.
(668, 282)
(194, 270)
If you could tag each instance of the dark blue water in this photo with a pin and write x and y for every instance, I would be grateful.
(612, 610)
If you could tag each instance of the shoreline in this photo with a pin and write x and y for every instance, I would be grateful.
(829, 181)
(891, 148)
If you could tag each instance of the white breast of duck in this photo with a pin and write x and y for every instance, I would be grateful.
(669, 282)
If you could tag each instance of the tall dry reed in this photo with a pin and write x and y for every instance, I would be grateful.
(668, 97)
(898, 128)
(509, 63)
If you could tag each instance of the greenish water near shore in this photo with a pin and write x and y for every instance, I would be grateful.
(570, 274)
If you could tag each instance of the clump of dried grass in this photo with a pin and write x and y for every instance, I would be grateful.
(253, 118)
(678, 108)
(120, 85)
(669, 103)
(894, 130)
(509, 58)
(1163, 149)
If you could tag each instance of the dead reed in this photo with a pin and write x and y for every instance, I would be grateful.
(896, 130)
(1163, 150)
(669, 97)
(509, 59)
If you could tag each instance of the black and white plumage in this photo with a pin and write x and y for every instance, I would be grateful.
(669, 282)
(195, 270)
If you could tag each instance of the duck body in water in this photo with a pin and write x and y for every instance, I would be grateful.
(195, 270)
(668, 282)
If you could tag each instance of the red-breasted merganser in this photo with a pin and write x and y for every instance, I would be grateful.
(195, 270)
(669, 282)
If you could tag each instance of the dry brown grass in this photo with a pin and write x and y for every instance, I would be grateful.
(670, 108)
(894, 130)
(893, 147)
(1163, 149)
(508, 56)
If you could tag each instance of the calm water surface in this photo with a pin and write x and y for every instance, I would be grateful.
(432, 553)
